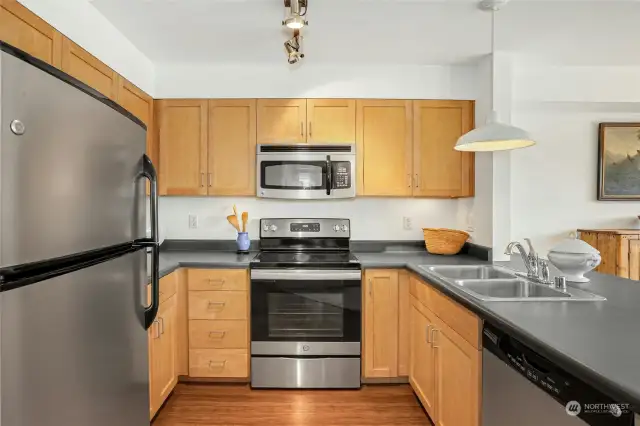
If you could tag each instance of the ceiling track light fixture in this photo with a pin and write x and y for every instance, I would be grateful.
(293, 47)
(294, 19)
(494, 136)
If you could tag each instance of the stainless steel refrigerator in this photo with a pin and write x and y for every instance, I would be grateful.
(73, 267)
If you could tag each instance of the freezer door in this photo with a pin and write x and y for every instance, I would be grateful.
(74, 350)
(68, 167)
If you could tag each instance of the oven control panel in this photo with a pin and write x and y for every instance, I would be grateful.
(305, 228)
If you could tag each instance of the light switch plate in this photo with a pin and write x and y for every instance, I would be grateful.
(193, 221)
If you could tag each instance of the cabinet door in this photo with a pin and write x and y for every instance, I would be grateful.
(23, 29)
(183, 146)
(166, 377)
(458, 379)
(152, 337)
(80, 64)
(422, 363)
(140, 105)
(282, 120)
(384, 147)
(232, 147)
(381, 323)
(331, 120)
(439, 170)
(404, 323)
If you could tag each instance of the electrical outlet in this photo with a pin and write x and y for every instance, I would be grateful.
(406, 223)
(193, 221)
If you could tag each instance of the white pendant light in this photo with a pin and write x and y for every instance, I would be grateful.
(494, 136)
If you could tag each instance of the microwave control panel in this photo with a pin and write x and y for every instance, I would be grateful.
(341, 174)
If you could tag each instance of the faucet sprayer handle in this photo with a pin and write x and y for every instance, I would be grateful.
(532, 251)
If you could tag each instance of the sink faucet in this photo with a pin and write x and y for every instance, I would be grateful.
(537, 270)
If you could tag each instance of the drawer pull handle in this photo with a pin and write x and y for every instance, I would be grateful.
(220, 304)
(217, 283)
(217, 364)
(217, 334)
(433, 337)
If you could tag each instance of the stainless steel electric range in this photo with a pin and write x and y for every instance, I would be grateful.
(306, 304)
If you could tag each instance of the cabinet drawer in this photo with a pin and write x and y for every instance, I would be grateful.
(218, 279)
(225, 334)
(168, 286)
(209, 305)
(218, 363)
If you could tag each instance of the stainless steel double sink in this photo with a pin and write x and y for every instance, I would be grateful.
(497, 284)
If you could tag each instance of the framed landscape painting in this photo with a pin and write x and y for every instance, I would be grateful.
(619, 161)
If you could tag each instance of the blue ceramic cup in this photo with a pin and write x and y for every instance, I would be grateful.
(243, 241)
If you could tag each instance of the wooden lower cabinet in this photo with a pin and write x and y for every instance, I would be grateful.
(445, 368)
(163, 350)
(218, 316)
(422, 367)
(458, 379)
(380, 346)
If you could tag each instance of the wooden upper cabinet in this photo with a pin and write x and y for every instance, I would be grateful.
(331, 121)
(439, 170)
(140, 105)
(381, 323)
(134, 100)
(232, 147)
(21, 28)
(384, 137)
(183, 146)
(282, 120)
(80, 64)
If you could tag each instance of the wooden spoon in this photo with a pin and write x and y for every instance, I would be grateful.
(233, 220)
(235, 212)
(245, 219)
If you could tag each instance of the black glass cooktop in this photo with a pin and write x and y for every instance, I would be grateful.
(311, 260)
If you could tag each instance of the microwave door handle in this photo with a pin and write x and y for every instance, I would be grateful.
(329, 177)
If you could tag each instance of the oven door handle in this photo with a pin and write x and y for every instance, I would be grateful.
(304, 274)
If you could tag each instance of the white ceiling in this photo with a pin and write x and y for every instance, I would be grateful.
(583, 32)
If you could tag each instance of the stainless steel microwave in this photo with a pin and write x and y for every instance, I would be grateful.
(306, 172)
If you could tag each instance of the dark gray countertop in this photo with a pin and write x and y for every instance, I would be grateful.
(596, 341)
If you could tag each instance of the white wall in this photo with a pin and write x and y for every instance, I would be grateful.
(372, 218)
(554, 183)
(313, 81)
(82, 23)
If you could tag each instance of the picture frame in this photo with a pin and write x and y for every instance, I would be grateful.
(619, 162)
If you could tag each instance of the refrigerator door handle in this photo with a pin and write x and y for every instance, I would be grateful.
(149, 172)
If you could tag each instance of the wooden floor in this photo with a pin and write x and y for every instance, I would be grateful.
(206, 404)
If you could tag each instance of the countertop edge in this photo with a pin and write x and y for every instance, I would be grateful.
(572, 365)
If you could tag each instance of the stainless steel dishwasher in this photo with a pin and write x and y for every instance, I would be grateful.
(521, 387)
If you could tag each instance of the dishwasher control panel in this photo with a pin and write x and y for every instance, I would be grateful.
(595, 407)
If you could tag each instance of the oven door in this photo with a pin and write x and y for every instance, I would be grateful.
(305, 312)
